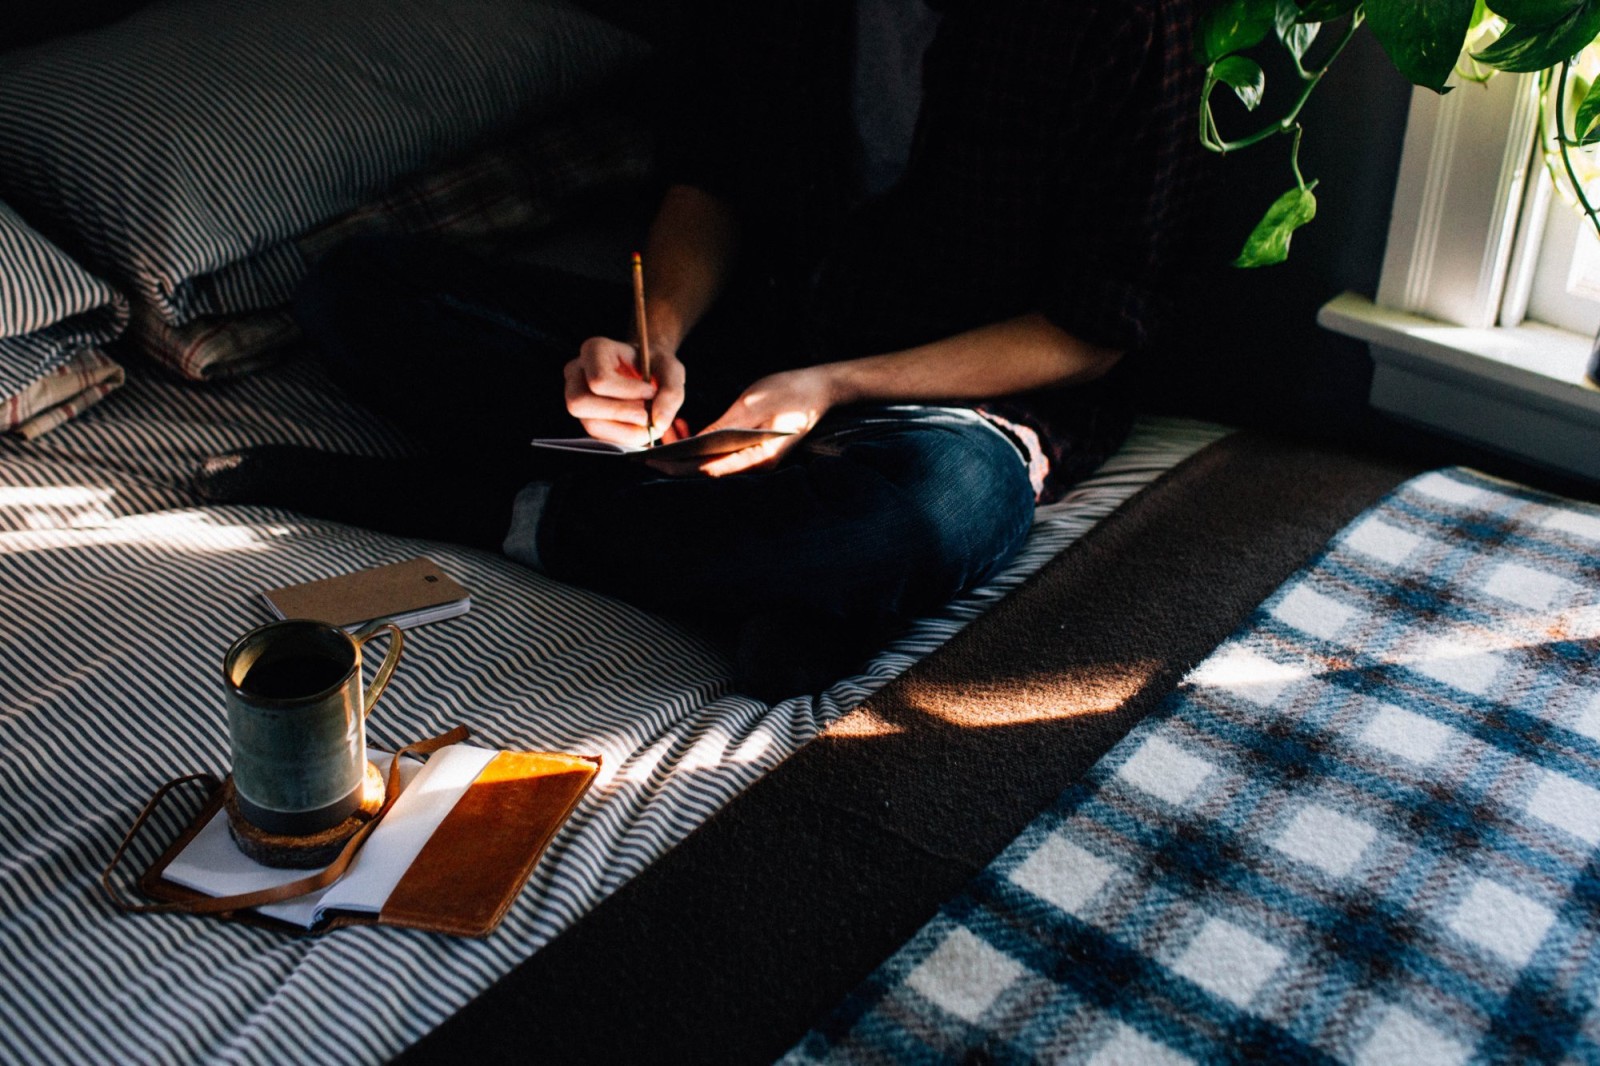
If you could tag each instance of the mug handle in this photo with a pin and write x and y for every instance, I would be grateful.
(391, 658)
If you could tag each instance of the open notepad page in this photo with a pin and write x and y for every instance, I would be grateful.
(212, 863)
(703, 445)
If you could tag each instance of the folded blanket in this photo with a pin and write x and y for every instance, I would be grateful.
(85, 379)
(54, 318)
(1363, 829)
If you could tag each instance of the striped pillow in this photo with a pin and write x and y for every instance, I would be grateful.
(496, 196)
(54, 316)
(208, 134)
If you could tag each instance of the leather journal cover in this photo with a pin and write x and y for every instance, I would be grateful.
(450, 856)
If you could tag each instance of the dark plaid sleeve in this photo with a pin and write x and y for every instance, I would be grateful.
(1128, 89)
(1053, 171)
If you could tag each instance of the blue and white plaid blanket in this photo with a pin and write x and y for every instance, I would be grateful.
(1365, 829)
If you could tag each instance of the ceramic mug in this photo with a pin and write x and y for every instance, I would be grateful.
(297, 721)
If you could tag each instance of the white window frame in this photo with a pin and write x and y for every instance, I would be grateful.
(1561, 276)
(1456, 266)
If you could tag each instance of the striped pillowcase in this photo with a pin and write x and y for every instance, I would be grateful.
(54, 316)
(215, 132)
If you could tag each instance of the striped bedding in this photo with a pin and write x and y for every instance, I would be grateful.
(120, 595)
(212, 133)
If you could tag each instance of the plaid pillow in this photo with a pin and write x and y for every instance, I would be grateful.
(54, 315)
(81, 382)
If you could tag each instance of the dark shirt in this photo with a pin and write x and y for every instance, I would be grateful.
(1054, 169)
(891, 37)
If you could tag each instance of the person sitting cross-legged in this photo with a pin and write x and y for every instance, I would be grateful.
(933, 242)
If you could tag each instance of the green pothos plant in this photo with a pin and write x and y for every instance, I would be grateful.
(1428, 41)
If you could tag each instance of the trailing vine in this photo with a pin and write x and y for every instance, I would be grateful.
(1428, 41)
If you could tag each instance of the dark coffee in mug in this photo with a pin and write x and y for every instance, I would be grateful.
(296, 722)
(292, 676)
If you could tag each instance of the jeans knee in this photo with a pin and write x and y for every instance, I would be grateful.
(963, 508)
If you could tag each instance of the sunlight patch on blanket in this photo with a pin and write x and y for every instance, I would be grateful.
(31, 496)
(190, 531)
(864, 722)
(1082, 690)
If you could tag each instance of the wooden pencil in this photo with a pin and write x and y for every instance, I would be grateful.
(644, 339)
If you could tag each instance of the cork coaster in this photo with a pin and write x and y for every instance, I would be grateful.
(310, 852)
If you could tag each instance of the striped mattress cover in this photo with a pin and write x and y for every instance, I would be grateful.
(118, 595)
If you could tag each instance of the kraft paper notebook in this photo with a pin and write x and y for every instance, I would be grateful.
(450, 856)
(409, 593)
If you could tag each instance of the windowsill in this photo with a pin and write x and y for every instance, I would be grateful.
(1519, 390)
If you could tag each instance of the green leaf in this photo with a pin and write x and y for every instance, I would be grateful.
(1584, 130)
(1423, 38)
(1268, 243)
(1295, 35)
(1234, 25)
(1522, 49)
(1245, 76)
(1325, 10)
(1534, 12)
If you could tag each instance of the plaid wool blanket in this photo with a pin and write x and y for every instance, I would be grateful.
(1365, 829)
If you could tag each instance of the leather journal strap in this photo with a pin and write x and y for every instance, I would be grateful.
(310, 883)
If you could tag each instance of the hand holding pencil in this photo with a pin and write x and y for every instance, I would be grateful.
(625, 392)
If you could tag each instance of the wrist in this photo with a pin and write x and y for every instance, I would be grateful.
(836, 383)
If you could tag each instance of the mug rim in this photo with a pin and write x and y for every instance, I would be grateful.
(238, 646)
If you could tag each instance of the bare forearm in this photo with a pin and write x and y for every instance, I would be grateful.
(691, 246)
(1017, 355)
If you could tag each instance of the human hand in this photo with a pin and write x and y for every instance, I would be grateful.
(605, 392)
(793, 401)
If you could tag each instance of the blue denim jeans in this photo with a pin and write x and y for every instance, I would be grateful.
(880, 514)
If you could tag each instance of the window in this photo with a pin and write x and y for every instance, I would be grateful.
(1489, 301)
(1563, 276)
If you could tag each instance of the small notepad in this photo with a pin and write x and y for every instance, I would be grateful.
(701, 446)
(411, 593)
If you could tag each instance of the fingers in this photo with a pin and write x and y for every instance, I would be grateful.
(605, 367)
(587, 403)
(616, 432)
(604, 392)
(669, 382)
(677, 430)
(755, 457)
